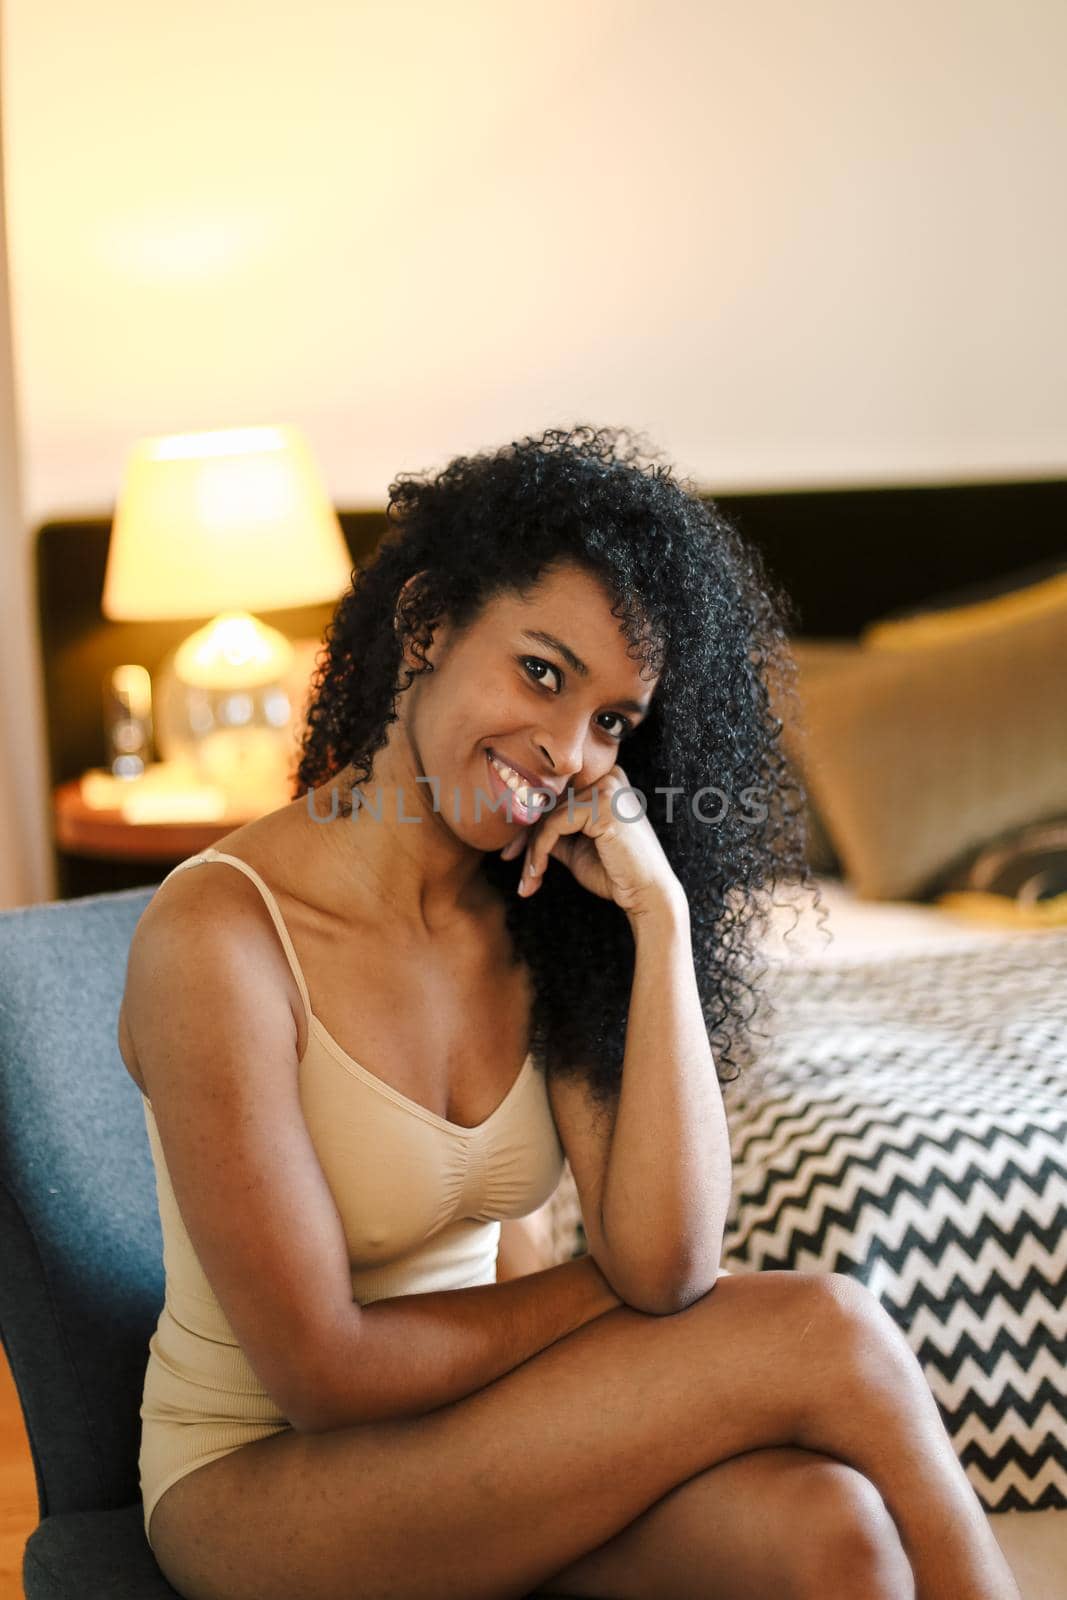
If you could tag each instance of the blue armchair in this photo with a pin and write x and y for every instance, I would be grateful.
(81, 1254)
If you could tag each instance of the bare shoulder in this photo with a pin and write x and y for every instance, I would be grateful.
(166, 916)
(204, 920)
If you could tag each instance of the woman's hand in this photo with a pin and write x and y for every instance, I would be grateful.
(618, 857)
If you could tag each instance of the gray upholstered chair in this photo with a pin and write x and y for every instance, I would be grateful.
(81, 1254)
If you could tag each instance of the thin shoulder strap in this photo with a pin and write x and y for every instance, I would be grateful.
(211, 854)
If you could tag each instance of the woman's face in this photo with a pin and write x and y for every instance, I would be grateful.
(557, 712)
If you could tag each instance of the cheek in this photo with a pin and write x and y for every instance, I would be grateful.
(497, 708)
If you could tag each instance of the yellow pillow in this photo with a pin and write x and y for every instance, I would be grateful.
(941, 627)
(915, 755)
(1002, 909)
(812, 656)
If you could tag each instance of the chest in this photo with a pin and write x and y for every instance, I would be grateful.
(447, 1024)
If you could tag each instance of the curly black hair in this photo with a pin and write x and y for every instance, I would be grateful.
(695, 604)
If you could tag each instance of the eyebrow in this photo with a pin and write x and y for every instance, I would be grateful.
(578, 665)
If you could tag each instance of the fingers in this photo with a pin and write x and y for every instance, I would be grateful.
(530, 872)
(539, 843)
(549, 833)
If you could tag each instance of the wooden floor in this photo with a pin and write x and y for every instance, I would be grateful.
(18, 1495)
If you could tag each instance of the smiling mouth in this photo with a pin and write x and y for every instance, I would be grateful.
(520, 812)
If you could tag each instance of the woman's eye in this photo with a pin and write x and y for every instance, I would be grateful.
(538, 662)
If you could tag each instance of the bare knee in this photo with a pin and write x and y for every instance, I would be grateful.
(861, 1317)
(847, 1542)
(861, 1345)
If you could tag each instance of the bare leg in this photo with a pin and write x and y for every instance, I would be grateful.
(866, 1403)
(783, 1522)
(487, 1497)
(873, 1408)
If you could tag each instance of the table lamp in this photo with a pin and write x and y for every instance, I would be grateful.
(220, 525)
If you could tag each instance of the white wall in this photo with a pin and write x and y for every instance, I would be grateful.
(26, 870)
(815, 243)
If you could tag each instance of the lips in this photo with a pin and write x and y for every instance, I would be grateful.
(517, 812)
(524, 772)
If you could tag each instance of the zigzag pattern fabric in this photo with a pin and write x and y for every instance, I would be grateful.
(904, 1120)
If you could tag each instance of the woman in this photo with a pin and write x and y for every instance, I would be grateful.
(339, 1398)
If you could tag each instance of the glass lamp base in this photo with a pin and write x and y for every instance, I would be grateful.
(240, 740)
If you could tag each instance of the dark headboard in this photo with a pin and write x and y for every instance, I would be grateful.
(846, 556)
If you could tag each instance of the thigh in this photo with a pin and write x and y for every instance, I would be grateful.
(490, 1495)
(784, 1521)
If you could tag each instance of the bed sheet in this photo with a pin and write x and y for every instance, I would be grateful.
(864, 928)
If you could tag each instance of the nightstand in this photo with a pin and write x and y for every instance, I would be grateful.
(99, 850)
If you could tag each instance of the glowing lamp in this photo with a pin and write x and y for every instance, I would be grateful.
(221, 525)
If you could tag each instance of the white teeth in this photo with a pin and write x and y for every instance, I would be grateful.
(519, 786)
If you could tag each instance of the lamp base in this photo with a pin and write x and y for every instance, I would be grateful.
(238, 740)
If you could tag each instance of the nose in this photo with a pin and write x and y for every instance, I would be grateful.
(563, 748)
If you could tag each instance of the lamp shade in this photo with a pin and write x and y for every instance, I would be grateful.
(234, 519)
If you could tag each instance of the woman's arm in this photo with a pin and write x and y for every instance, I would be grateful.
(668, 1174)
(409, 1354)
(653, 1171)
(655, 1191)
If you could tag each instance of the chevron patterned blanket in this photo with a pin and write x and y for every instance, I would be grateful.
(903, 1119)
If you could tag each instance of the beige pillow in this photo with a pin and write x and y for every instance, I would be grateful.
(914, 754)
(813, 656)
(1049, 595)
